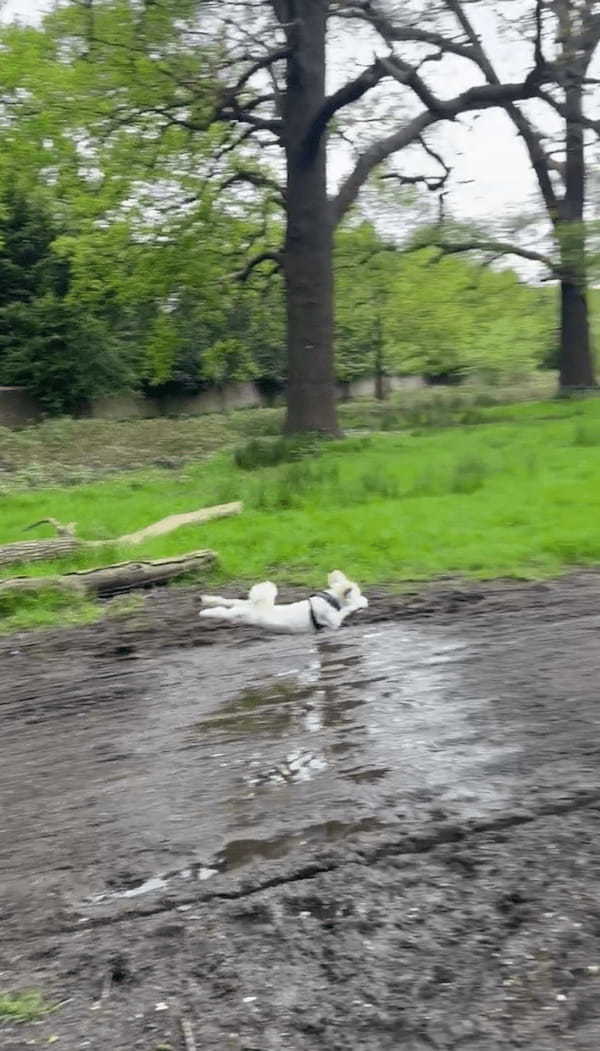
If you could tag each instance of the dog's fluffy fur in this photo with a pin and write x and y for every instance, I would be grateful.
(294, 618)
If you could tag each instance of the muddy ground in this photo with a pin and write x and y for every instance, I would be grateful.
(384, 838)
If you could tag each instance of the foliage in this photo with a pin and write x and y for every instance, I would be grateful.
(433, 316)
(119, 274)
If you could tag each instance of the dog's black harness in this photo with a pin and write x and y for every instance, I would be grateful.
(333, 602)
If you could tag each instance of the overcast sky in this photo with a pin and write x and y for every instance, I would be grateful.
(490, 154)
(25, 9)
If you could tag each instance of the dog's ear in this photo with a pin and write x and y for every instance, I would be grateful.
(265, 592)
(337, 579)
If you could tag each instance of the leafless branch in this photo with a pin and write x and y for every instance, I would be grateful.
(263, 257)
(350, 92)
(561, 109)
(240, 114)
(261, 63)
(526, 130)
(391, 33)
(495, 248)
(431, 182)
(257, 179)
(483, 96)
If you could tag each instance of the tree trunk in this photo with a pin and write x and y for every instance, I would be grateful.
(576, 366)
(308, 266)
(380, 377)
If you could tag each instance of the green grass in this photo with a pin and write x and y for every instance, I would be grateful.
(73, 452)
(478, 498)
(43, 609)
(23, 1007)
(516, 495)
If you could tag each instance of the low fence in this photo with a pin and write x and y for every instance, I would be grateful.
(18, 409)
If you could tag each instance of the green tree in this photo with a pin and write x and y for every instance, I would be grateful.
(410, 312)
(153, 100)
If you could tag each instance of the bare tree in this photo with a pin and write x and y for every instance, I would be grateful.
(567, 32)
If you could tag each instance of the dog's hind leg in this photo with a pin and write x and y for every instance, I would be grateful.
(217, 600)
(220, 613)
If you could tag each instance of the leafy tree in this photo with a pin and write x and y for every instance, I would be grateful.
(62, 355)
(171, 85)
(46, 341)
(404, 312)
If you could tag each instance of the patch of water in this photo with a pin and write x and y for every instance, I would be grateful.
(305, 741)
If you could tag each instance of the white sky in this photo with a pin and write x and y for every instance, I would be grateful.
(490, 155)
(26, 10)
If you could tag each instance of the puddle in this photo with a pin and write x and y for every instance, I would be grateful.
(357, 734)
(238, 853)
(128, 788)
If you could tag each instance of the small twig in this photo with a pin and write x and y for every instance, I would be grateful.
(188, 1033)
(57, 1007)
(61, 530)
(104, 992)
(106, 986)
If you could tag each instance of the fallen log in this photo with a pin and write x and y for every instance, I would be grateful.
(66, 543)
(167, 525)
(38, 550)
(122, 576)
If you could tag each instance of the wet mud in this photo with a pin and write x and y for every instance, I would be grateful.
(387, 837)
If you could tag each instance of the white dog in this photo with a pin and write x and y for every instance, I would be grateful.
(325, 609)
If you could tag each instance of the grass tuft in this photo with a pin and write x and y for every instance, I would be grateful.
(587, 434)
(27, 1006)
(44, 607)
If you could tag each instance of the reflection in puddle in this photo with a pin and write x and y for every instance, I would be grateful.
(239, 852)
(242, 851)
(299, 766)
(388, 707)
(360, 731)
(155, 883)
(390, 713)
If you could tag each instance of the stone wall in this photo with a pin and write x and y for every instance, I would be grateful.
(18, 409)
(216, 399)
(123, 407)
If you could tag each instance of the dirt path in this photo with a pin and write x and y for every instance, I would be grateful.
(386, 838)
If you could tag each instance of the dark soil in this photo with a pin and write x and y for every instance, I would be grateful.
(383, 838)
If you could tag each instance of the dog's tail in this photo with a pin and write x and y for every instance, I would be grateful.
(263, 595)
